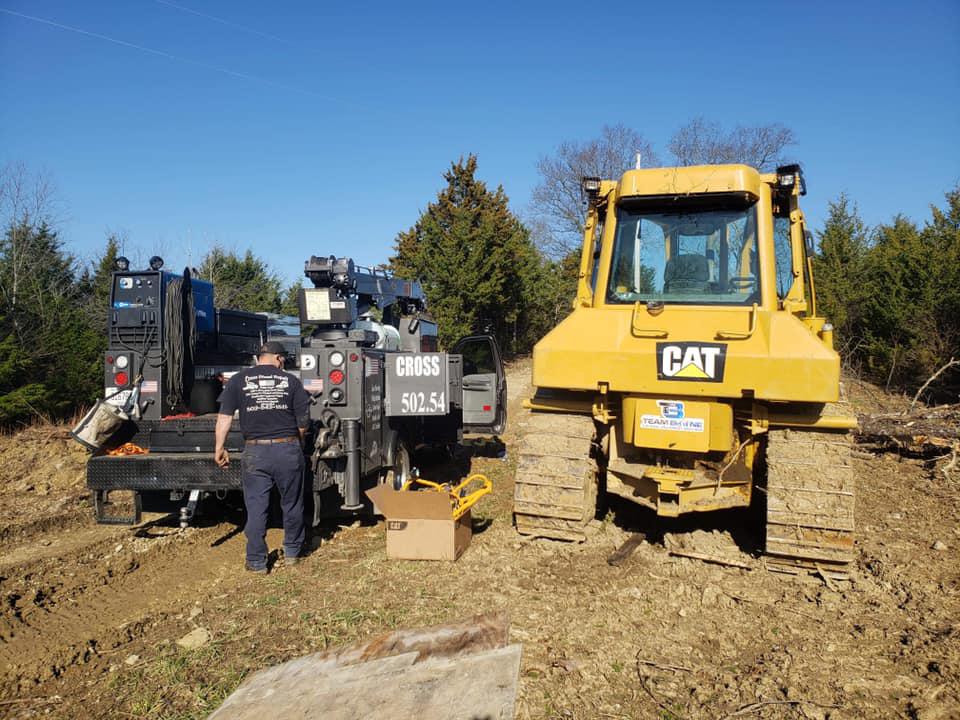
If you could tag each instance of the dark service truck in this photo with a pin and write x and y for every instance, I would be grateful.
(366, 350)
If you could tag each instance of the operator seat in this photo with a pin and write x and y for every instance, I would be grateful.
(686, 273)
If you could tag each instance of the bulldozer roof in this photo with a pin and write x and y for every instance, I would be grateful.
(693, 180)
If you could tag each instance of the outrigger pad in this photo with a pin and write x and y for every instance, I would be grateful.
(102, 505)
(463, 670)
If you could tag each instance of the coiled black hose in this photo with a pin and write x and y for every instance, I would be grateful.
(179, 341)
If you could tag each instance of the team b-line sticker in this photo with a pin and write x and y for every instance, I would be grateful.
(672, 417)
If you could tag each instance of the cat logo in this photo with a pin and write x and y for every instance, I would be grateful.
(691, 362)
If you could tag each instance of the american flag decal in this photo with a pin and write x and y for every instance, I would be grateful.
(373, 366)
(313, 385)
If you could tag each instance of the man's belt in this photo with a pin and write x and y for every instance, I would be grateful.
(272, 441)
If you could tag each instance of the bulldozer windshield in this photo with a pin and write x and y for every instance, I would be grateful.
(704, 255)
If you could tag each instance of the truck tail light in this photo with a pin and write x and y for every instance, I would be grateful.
(120, 379)
(336, 377)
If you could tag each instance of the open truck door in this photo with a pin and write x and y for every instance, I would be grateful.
(484, 385)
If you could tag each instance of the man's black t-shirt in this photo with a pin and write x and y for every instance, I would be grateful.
(272, 403)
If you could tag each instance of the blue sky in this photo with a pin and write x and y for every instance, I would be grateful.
(297, 128)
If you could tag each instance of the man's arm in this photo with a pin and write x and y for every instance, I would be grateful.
(301, 407)
(228, 405)
(220, 454)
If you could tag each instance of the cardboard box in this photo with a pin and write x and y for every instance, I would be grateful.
(420, 524)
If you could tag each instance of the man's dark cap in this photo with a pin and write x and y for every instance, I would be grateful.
(272, 347)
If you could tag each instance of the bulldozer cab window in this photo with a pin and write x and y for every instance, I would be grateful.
(597, 245)
(704, 256)
(783, 253)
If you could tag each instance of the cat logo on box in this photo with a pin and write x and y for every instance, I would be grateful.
(672, 417)
(691, 362)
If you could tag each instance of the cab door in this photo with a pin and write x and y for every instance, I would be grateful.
(484, 385)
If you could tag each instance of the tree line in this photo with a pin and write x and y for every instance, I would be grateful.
(53, 305)
(893, 294)
(892, 291)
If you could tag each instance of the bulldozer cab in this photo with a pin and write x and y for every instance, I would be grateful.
(700, 245)
(703, 253)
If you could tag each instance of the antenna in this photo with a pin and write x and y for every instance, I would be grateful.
(638, 161)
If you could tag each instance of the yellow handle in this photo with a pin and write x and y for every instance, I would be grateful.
(643, 332)
(734, 335)
(465, 502)
(460, 499)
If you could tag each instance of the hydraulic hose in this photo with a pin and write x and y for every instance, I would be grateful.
(179, 341)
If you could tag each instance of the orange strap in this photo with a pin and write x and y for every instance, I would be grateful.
(128, 449)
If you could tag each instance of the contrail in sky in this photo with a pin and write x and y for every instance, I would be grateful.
(170, 56)
(222, 21)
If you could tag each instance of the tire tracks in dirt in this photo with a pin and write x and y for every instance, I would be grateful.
(70, 604)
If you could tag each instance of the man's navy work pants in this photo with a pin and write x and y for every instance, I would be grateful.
(264, 466)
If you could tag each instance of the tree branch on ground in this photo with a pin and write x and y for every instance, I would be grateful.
(951, 363)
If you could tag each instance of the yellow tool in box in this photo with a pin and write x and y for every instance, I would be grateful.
(462, 498)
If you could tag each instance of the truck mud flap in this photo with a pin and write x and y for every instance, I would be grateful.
(102, 507)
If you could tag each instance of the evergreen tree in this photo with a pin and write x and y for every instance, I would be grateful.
(896, 321)
(241, 283)
(290, 304)
(102, 276)
(840, 268)
(942, 236)
(894, 298)
(561, 284)
(47, 347)
(474, 257)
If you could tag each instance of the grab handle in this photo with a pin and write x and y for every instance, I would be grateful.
(644, 332)
(736, 335)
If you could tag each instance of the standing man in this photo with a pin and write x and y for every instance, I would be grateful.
(274, 414)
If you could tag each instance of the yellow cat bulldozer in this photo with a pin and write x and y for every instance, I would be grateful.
(694, 373)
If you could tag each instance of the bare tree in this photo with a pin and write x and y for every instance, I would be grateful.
(558, 202)
(27, 206)
(26, 198)
(700, 142)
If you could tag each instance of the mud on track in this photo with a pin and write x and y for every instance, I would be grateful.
(91, 614)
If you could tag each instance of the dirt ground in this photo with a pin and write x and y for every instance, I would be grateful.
(92, 614)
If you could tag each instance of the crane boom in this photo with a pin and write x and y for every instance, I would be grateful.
(369, 287)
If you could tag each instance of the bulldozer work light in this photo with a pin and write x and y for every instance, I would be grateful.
(122, 264)
(590, 185)
(787, 175)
